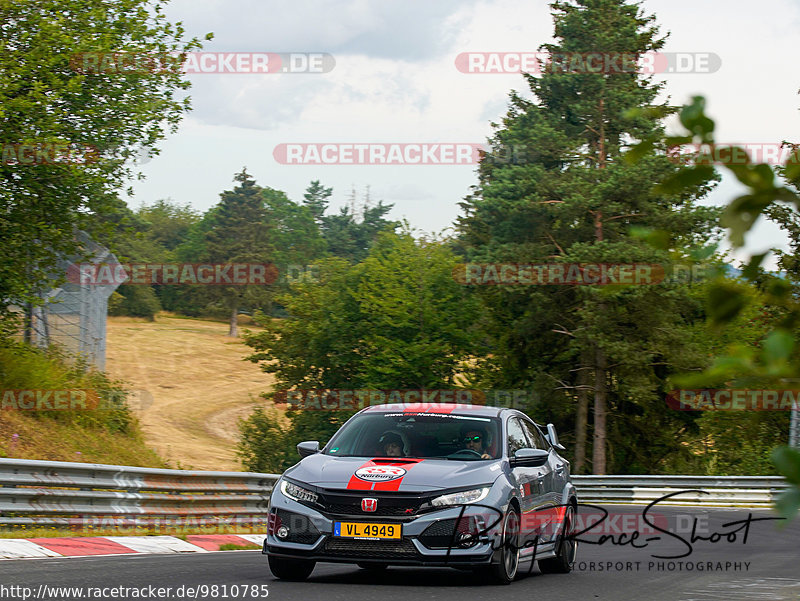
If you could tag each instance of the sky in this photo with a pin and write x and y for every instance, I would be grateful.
(395, 80)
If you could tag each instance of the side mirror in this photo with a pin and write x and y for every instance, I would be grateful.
(308, 447)
(553, 437)
(529, 458)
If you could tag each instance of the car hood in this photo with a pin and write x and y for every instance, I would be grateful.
(402, 475)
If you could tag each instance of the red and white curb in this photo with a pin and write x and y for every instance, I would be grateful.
(29, 548)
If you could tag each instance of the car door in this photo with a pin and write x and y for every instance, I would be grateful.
(530, 484)
(548, 480)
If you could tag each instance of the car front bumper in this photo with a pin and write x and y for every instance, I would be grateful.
(323, 546)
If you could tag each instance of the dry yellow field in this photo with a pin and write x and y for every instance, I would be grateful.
(191, 386)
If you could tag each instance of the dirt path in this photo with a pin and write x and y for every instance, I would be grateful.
(191, 386)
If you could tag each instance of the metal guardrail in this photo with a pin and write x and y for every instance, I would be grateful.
(46, 493)
(81, 495)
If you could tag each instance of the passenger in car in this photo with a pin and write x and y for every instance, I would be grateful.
(476, 439)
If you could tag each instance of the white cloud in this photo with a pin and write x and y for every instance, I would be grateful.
(395, 81)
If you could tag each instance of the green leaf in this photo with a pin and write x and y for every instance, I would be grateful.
(792, 171)
(751, 271)
(741, 213)
(778, 346)
(660, 239)
(640, 150)
(788, 503)
(703, 253)
(694, 119)
(759, 177)
(686, 179)
(677, 141)
(779, 288)
(725, 302)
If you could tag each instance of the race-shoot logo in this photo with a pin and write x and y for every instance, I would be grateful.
(380, 473)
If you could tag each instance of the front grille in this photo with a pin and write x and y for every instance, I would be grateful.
(301, 529)
(395, 505)
(370, 548)
(383, 509)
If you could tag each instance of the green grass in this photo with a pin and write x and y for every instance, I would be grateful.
(233, 547)
(108, 433)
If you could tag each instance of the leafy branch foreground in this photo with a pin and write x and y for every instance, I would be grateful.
(776, 361)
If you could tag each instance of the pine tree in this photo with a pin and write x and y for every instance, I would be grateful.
(555, 187)
(351, 232)
(316, 199)
(238, 232)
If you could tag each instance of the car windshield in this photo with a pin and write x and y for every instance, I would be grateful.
(418, 435)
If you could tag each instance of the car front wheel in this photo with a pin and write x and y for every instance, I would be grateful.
(505, 570)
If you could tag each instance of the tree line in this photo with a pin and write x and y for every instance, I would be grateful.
(580, 169)
(250, 224)
(568, 179)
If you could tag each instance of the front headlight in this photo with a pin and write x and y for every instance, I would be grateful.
(462, 498)
(298, 493)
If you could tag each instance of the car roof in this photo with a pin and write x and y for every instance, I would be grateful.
(437, 408)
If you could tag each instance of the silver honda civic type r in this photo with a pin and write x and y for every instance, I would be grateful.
(469, 487)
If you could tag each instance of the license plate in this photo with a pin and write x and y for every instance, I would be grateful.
(359, 530)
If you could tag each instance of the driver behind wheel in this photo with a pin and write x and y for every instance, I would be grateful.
(476, 439)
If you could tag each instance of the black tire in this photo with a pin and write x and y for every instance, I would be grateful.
(373, 567)
(566, 548)
(504, 569)
(294, 570)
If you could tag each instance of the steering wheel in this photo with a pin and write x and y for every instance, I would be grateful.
(470, 452)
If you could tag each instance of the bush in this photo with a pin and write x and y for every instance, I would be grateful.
(25, 367)
(264, 446)
(268, 441)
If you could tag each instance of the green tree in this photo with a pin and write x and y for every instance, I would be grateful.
(554, 187)
(396, 321)
(148, 235)
(251, 224)
(316, 198)
(298, 239)
(167, 223)
(102, 118)
(237, 231)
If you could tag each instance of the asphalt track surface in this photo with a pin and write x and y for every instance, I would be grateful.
(772, 571)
